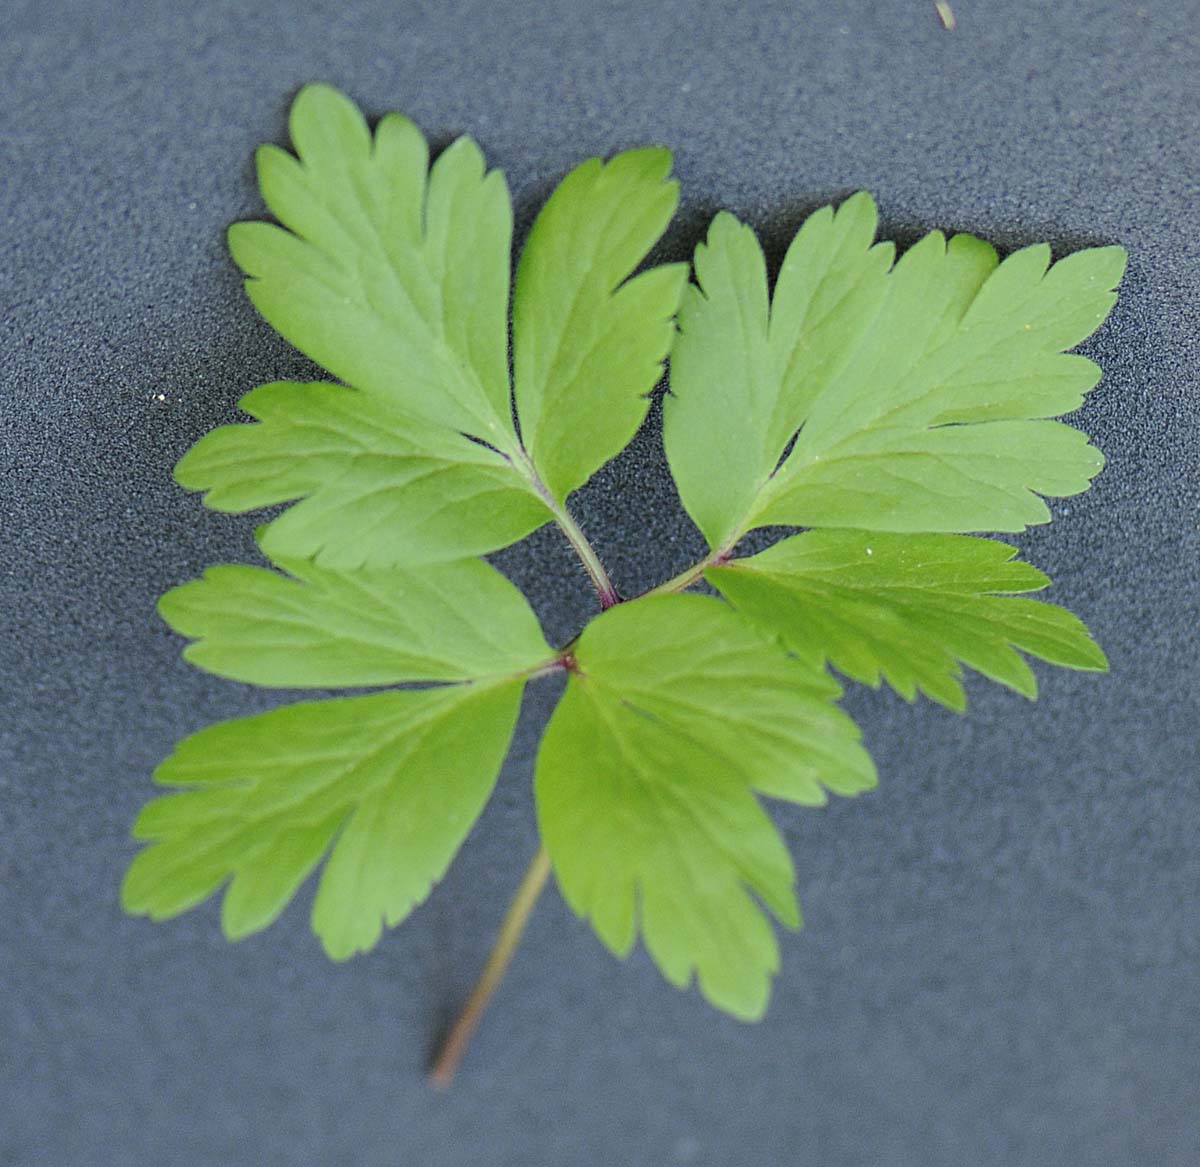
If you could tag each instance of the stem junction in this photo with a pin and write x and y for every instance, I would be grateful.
(454, 1045)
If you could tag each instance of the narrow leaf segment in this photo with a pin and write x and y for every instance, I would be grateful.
(386, 785)
(388, 272)
(321, 629)
(376, 488)
(907, 609)
(588, 342)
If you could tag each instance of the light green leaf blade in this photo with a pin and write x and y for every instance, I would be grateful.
(588, 341)
(392, 275)
(326, 629)
(387, 785)
(676, 712)
(741, 374)
(907, 609)
(938, 422)
(920, 394)
(377, 488)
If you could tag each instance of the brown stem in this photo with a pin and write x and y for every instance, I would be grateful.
(441, 1073)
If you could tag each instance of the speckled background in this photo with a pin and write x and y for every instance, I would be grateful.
(1001, 959)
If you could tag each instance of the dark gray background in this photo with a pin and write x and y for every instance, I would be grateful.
(1000, 958)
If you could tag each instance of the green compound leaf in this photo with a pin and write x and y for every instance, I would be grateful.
(386, 785)
(907, 609)
(918, 393)
(677, 712)
(891, 407)
(394, 275)
(325, 629)
(588, 343)
(377, 487)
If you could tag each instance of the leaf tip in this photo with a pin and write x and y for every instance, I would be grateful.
(183, 470)
(131, 897)
(656, 160)
(171, 604)
(747, 1003)
(319, 100)
(861, 202)
(1115, 263)
(240, 239)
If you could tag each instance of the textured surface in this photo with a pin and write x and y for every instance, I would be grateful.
(1001, 961)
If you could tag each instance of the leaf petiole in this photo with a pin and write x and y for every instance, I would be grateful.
(687, 577)
(605, 591)
(441, 1073)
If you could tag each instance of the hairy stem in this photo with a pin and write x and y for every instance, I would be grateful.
(685, 579)
(441, 1073)
(605, 591)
